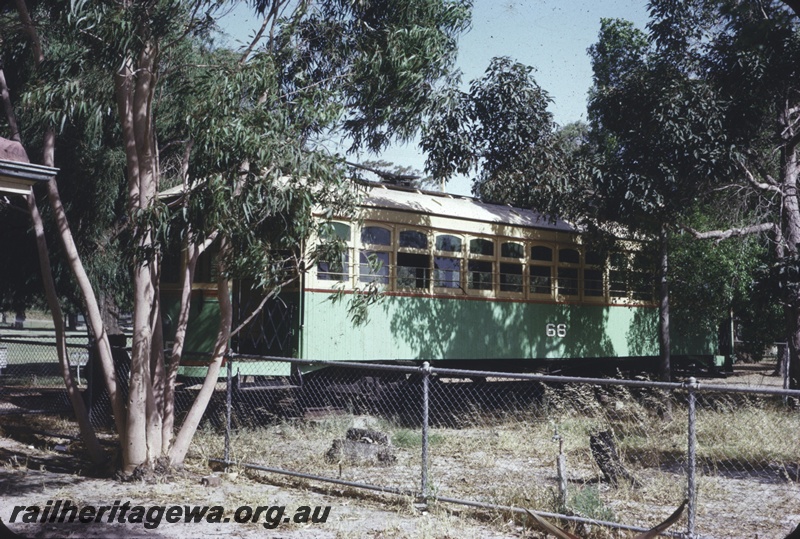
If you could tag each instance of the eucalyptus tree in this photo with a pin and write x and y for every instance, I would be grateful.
(239, 133)
(748, 52)
(501, 134)
(659, 139)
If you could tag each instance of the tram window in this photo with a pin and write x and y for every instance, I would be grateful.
(541, 253)
(510, 277)
(481, 247)
(569, 256)
(332, 231)
(413, 270)
(336, 270)
(568, 281)
(171, 265)
(374, 267)
(206, 268)
(540, 280)
(449, 243)
(376, 235)
(512, 250)
(617, 286)
(642, 280)
(594, 258)
(446, 272)
(592, 282)
(413, 239)
(479, 275)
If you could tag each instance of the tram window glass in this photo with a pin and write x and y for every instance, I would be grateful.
(512, 250)
(568, 281)
(374, 267)
(642, 280)
(413, 270)
(171, 263)
(510, 277)
(593, 258)
(541, 253)
(449, 243)
(569, 256)
(540, 280)
(618, 275)
(337, 268)
(206, 268)
(332, 231)
(446, 272)
(479, 275)
(481, 247)
(376, 235)
(592, 282)
(413, 239)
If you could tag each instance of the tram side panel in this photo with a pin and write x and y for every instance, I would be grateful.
(431, 328)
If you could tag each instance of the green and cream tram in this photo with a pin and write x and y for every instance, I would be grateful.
(464, 283)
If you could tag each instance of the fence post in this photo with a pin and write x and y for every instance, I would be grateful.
(692, 458)
(228, 395)
(426, 373)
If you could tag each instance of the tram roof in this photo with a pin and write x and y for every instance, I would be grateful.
(392, 197)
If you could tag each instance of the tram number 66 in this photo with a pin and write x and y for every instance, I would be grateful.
(556, 330)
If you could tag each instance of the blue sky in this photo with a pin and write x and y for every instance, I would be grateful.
(550, 35)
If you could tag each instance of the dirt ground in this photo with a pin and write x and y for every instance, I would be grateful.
(33, 475)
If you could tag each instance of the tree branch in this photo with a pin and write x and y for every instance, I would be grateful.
(720, 235)
(769, 185)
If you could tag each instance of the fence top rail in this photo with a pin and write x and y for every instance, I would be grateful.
(463, 373)
(3, 340)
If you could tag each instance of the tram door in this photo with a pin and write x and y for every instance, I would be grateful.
(271, 331)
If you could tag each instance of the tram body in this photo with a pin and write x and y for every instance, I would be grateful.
(464, 284)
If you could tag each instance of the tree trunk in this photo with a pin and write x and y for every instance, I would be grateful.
(68, 243)
(664, 360)
(178, 451)
(79, 408)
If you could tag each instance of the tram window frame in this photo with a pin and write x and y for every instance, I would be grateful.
(412, 257)
(448, 279)
(593, 263)
(511, 264)
(632, 277)
(326, 277)
(618, 271)
(370, 271)
(476, 265)
(536, 262)
(568, 272)
(641, 279)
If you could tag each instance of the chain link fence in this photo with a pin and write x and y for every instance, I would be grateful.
(624, 453)
(30, 376)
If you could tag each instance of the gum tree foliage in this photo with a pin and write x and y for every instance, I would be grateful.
(741, 59)
(86, 152)
(501, 134)
(659, 139)
(749, 52)
(238, 133)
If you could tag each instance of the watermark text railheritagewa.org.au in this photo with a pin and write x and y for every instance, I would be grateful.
(63, 511)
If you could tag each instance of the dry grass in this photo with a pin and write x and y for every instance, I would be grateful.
(511, 461)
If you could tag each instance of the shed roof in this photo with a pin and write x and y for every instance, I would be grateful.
(398, 198)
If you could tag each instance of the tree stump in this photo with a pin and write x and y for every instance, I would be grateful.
(362, 446)
(604, 451)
